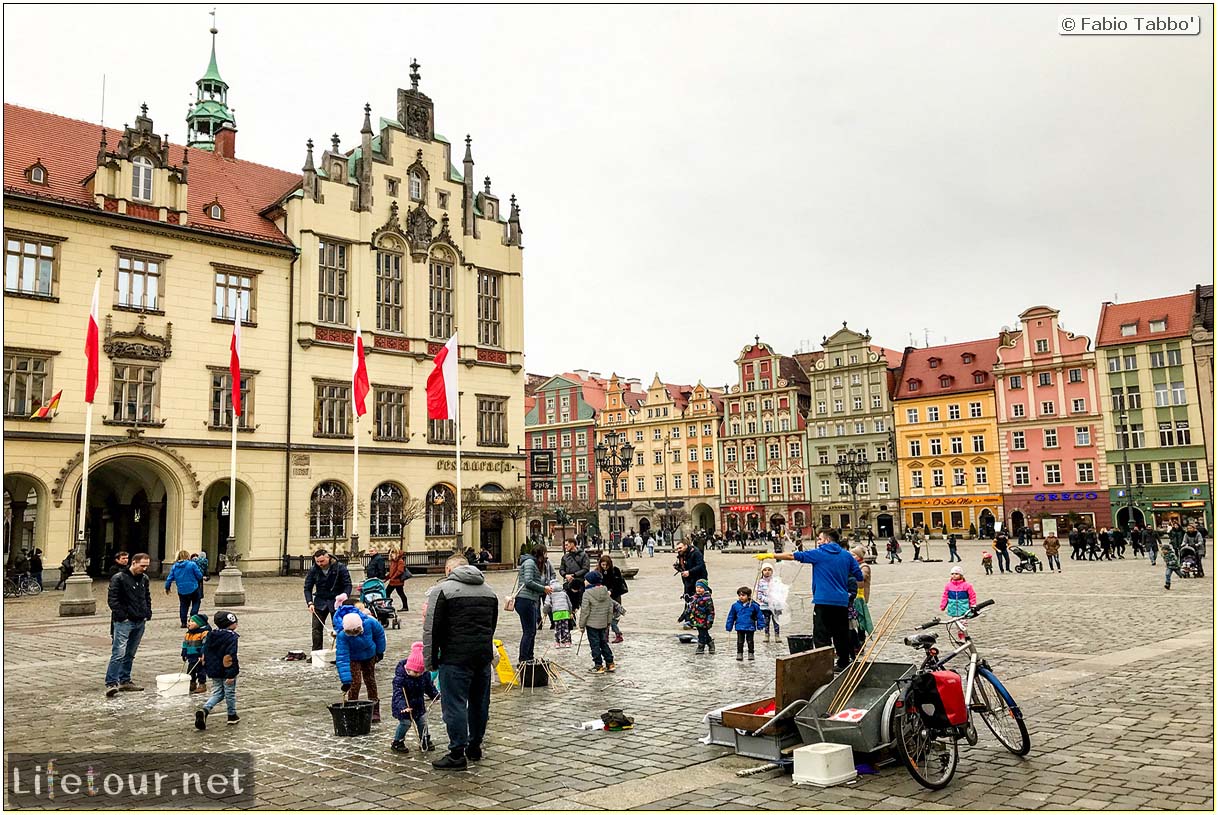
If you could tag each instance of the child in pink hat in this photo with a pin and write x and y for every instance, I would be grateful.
(411, 686)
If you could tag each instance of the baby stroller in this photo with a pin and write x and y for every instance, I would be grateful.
(1188, 561)
(1028, 562)
(375, 596)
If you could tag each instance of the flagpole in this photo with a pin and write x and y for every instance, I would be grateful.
(231, 591)
(79, 555)
(457, 429)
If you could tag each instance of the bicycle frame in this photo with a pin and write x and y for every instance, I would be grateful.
(935, 661)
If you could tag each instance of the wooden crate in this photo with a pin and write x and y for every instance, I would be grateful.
(796, 676)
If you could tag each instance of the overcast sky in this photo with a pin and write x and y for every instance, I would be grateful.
(690, 177)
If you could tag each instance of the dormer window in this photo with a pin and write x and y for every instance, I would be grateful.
(979, 377)
(966, 358)
(1156, 326)
(945, 381)
(215, 211)
(141, 179)
(1129, 329)
(914, 384)
(37, 174)
(934, 362)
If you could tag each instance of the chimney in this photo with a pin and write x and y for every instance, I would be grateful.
(226, 140)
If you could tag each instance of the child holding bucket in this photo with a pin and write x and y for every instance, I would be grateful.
(411, 685)
(356, 652)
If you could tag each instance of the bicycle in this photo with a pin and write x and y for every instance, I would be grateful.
(930, 749)
(23, 586)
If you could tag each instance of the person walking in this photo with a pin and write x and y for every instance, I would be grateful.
(1052, 547)
(1175, 535)
(533, 589)
(616, 584)
(222, 667)
(894, 550)
(1171, 564)
(189, 577)
(1002, 546)
(953, 555)
(130, 602)
(594, 619)
(326, 580)
(36, 567)
(66, 568)
(1150, 542)
(378, 566)
(459, 619)
(398, 575)
(573, 568)
(1076, 544)
(1194, 538)
(832, 567)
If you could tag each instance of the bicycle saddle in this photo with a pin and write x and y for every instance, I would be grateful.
(921, 640)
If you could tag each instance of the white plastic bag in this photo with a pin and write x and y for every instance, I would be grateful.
(778, 594)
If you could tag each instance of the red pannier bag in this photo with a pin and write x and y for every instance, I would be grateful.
(939, 696)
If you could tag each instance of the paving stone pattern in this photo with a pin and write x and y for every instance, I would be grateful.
(1115, 676)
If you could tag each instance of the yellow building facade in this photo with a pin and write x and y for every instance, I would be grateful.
(947, 438)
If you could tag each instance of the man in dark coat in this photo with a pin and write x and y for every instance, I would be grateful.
(130, 602)
(691, 565)
(326, 580)
(378, 567)
(459, 619)
(1076, 544)
(573, 567)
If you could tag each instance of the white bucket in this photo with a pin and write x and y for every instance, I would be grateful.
(173, 684)
(319, 658)
(823, 764)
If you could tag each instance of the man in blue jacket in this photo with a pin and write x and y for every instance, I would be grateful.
(832, 568)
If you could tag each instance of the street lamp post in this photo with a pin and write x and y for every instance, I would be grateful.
(667, 520)
(614, 455)
(853, 469)
(1129, 480)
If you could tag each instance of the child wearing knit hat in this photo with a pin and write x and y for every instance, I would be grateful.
(702, 615)
(411, 685)
(192, 651)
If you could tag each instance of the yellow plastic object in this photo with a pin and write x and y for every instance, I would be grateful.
(764, 556)
(503, 666)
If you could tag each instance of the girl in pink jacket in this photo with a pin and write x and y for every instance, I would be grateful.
(958, 594)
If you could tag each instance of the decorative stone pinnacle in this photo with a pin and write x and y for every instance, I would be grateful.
(144, 109)
(414, 74)
(757, 339)
(487, 182)
(843, 323)
(309, 144)
(513, 199)
(334, 142)
(367, 108)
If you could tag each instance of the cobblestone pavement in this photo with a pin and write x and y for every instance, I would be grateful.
(1115, 676)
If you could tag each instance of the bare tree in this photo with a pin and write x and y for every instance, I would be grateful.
(329, 514)
(401, 509)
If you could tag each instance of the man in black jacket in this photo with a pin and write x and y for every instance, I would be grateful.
(459, 619)
(130, 608)
(691, 564)
(326, 580)
(573, 568)
(377, 567)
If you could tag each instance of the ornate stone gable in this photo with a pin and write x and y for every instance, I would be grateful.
(139, 343)
(416, 112)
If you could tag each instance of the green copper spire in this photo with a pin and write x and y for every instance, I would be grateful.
(210, 109)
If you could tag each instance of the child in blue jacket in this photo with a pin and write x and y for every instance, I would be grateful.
(356, 652)
(411, 685)
(220, 663)
(746, 617)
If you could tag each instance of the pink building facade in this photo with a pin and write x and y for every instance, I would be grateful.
(1050, 428)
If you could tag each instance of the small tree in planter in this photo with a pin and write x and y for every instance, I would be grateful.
(515, 505)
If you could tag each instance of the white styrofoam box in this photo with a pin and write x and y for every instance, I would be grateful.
(173, 684)
(824, 764)
(319, 658)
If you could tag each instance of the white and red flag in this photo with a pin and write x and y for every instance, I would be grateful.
(442, 383)
(234, 364)
(91, 350)
(359, 374)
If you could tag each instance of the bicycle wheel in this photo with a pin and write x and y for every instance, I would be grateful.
(931, 759)
(30, 588)
(10, 589)
(1000, 714)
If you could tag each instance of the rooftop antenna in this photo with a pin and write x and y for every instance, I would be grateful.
(926, 337)
(103, 111)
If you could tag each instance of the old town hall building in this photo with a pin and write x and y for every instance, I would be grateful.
(387, 234)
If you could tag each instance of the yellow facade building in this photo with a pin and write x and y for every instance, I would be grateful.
(947, 438)
(388, 233)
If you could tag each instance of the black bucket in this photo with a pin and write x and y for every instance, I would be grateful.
(799, 642)
(535, 673)
(352, 718)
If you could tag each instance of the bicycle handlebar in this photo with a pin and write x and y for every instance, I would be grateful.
(968, 615)
(930, 624)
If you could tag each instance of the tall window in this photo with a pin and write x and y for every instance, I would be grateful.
(440, 297)
(385, 511)
(957, 476)
(442, 431)
(1082, 436)
(1018, 441)
(390, 415)
(936, 447)
(1167, 472)
(915, 447)
(915, 479)
(234, 294)
(936, 477)
(141, 179)
(911, 415)
(138, 282)
(1188, 471)
(1023, 475)
(932, 414)
(492, 420)
(388, 291)
(135, 393)
(488, 308)
(974, 410)
(221, 400)
(416, 187)
(957, 445)
(1086, 472)
(331, 409)
(332, 283)
(25, 383)
(1050, 437)
(981, 475)
(441, 518)
(1053, 473)
(29, 265)
(978, 444)
(328, 511)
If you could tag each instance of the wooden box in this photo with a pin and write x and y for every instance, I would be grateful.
(796, 676)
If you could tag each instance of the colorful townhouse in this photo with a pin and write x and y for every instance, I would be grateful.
(562, 419)
(1203, 356)
(763, 444)
(623, 400)
(852, 410)
(1157, 456)
(1051, 429)
(947, 438)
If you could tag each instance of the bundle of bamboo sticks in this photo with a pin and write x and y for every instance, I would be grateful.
(852, 678)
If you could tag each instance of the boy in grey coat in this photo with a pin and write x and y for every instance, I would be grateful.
(594, 617)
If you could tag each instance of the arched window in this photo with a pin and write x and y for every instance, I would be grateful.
(389, 295)
(386, 511)
(416, 186)
(141, 179)
(329, 507)
(441, 511)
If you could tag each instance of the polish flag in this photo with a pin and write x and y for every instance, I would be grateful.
(359, 374)
(234, 364)
(442, 383)
(91, 352)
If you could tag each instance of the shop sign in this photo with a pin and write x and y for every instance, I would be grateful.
(1177, 504)
(1065, 496)
(742, 508)
(961, 501)
(477, 466)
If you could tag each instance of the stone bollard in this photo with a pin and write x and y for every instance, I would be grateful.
(78, 600)
(230, 592)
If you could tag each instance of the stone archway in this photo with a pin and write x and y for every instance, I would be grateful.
(26, 511)
(217, 521)
(703, 517)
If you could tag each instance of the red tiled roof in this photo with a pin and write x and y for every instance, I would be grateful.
(68, 150)
(1177, 310)
(593, 388)
(916, 365)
